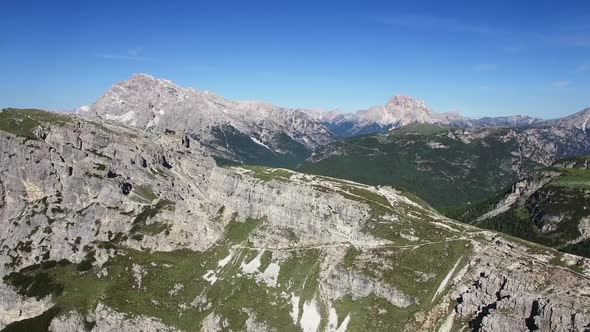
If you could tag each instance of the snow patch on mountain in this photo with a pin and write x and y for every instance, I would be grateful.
(311, 317)
(259, 142)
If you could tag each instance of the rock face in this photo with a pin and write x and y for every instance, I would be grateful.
(548, 207)
(341, 283)
(94, 172)
(107, 227)
(578, 120)
(499, 301)
(447, 166)
(239, 131)
(105, 319)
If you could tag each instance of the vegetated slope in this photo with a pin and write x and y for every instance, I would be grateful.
(106, 227)
(235, 132)
(550, 207)
(447, 167)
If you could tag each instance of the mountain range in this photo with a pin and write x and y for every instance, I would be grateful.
(108, 227)
(404, 110)
(246, 132)
(164, 208)
(450, 161)
(451, 166)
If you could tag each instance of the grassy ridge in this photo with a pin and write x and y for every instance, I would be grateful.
(22, 122)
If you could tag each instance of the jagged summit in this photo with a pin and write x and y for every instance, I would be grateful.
(580, 120)
(399, 111)
(239, 131)
(142, 76)
(402, 110)
(407, 102)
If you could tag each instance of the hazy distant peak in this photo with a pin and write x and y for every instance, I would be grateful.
(407, 102)
(142, 76)
(580, 120)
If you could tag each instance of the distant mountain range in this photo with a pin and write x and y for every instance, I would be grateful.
(247, 132)
(403, 110)
(445, 158)
(118, 218)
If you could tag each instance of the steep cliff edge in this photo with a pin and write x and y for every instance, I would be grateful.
(549, 207)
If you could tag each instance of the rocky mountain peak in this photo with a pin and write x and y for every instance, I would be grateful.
(399, 111)
(140, 81)
(152, 103)
(142, 77)
(147, 83)
(580, 120)
(407, 102)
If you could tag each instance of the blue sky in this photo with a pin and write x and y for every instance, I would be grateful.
(479, 58)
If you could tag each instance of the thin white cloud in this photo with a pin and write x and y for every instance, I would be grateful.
(574, 40)
(429, 22)
(582, 68)
(515, 40)
(575, 32)
(484, 67)
(561, 84)
(201, 68)
(486, 87)
(133, 54)
(134, 51)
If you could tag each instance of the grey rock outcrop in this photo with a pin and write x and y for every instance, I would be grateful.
(509, 295)
(315, 218)
(81, 179)
(105, 319)
(340, 283)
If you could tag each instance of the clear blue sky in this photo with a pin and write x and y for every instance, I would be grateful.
(491, 58)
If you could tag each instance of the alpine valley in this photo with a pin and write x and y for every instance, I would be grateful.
(164, 208)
